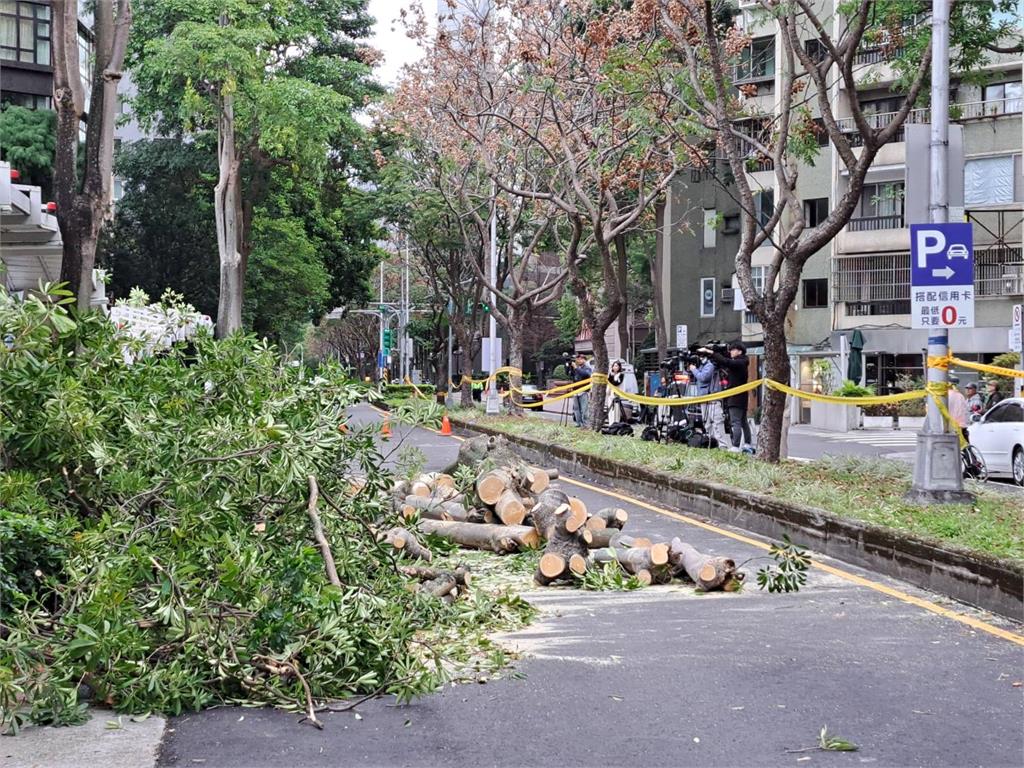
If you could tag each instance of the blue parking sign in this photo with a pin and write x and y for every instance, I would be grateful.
(942, 275)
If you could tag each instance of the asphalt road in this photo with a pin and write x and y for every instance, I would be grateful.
(664, 676)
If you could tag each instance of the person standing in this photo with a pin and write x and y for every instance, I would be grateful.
(975, 405)
(958, 405)
(992, 396)
(706, 376)
(580, 372)
(735, 368)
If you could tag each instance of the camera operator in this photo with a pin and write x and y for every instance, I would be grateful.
(708, 378)
(579, 371)
(735, 368)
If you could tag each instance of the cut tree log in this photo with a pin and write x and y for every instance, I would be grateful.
(596, 523)
(491, 485)
(510, 508)
(644, 562)
(495, 538)
(540, 481)
(420, 488)
(566, 551)
(601, 538)
(438, 510)
(706, 571)
(622, 540)
(613, 517)
(577, 505)
(461, 574)
(405, 541)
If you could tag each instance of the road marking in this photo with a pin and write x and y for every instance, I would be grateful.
(927, 605)
(851, 577)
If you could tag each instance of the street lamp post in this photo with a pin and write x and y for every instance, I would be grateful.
(493, 401)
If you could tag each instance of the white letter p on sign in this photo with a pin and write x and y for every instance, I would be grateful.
(929, 241)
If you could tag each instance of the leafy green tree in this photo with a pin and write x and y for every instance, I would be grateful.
(28, 141)
(288, 283)
(277, 82)
(163, 232)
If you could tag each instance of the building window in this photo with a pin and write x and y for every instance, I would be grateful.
(764, 206)
(816, 293)
(757, 274)
(707, 297)
(882, 200)
(710, 228)
(989, 180)
(731, 224)
(757, 62)
(1003, 98)
(26, 100)
(815, 211)
(25, 32)
(816, 50)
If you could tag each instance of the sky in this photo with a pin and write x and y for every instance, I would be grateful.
(390, 38)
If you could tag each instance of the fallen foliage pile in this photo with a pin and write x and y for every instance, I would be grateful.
(182, 532)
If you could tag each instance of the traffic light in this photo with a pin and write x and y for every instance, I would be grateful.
(387, 339)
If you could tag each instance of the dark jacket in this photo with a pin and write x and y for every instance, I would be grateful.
(991, 399)
(735, 370)
(581, 372)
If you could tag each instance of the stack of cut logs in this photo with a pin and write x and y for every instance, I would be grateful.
(512, 508)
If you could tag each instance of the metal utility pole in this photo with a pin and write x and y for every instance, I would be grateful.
(381, 357)
(937, 474)
(493, 401)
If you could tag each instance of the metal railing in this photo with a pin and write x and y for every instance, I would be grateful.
(875, 223)
(879, 284)
(877, 55)
(968, 110)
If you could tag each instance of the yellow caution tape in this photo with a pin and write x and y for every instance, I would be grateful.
(995, 370)
(673, 401)
(838, 400)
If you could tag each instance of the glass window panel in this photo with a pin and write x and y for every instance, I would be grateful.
(25, 33)
(7, 6)
(988, 181)
(42, 51)
(8, 31)
(1014, 95)
(42, 29)
(27, 56)
(42, 11)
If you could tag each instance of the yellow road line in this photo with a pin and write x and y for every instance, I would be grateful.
(853, 578)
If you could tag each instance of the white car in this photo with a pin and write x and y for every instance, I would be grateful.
(999, 435)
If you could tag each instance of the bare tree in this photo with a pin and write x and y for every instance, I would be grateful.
(533, 90)
(83, 201)
(709, 46)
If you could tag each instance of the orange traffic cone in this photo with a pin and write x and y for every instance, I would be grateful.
(385, 430)
(446, 426)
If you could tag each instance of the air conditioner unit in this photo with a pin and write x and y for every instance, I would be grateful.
(727, 294)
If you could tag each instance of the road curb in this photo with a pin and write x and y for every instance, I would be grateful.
(980, 580)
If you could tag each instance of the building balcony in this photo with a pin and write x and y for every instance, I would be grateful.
(875, 223)
(958, 112)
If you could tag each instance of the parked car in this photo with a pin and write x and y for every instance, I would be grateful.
(999, 435)
(530, 394)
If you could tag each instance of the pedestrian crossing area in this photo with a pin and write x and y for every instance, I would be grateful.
(881, 439)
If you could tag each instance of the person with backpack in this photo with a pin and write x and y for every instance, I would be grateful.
(735, 369)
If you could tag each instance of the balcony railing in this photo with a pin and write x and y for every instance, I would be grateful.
(969, 110)
(879, 284)
(877, 55)
(874, 223)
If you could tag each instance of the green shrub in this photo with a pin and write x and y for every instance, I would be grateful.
(559, 372)
(850, 389)
(407, 390)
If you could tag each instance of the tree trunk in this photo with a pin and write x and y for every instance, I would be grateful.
(597, 391)
(657, 303)
(516, 327)
(773, 409)
(82, 207)
(623, 319)
(227, 206)
(502, 539)
(465, 336)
